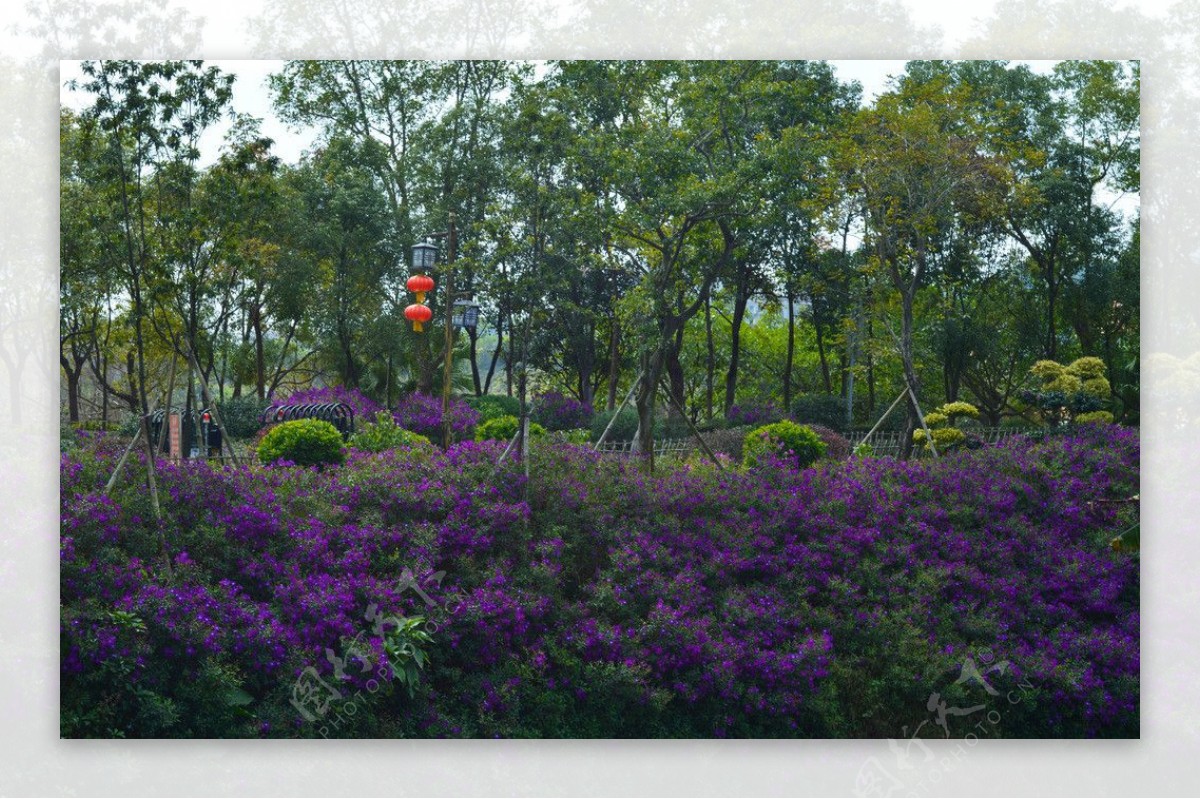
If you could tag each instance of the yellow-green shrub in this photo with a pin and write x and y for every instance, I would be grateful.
(305, 442)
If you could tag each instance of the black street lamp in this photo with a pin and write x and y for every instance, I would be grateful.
(466, 314)
(424, 255)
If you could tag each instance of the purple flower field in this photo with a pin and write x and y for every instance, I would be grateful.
(596, 601)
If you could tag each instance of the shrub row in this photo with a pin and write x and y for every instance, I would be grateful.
(598, 601)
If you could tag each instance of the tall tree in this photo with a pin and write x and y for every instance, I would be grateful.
(152, 114)
(920, 166)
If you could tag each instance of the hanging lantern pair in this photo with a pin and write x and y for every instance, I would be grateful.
(419, 313)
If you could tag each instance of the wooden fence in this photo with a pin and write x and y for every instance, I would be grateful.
(888, 442)
(668, 448)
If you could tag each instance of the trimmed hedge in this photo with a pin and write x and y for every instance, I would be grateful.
(785, 440)
(304, 442)
(504, 428)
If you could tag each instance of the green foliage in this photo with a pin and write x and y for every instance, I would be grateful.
(941, 426)
(407, 647)
(579, 437)
(504, 428)
(1101, 417)
(785, 439)
(820, 409)
(384, 434)
(954, 410)
(493, 406)
(305, 442)
(623, 429)
(240, 416)
(1076, 392)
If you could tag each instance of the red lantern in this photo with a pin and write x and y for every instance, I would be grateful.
(419, 285)
(418, 314)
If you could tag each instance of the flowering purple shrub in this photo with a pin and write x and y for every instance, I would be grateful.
(837, 446)
(753, 414)
(364, 407)
(599, 601)
(422, 414)
(556, 411)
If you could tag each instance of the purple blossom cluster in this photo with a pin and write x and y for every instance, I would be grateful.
(421, 413)
(754, 414)
(364, 407)
(598, 601)
(556, 411)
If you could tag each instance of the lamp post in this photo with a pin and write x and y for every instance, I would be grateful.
(424, 257)
(448, 299)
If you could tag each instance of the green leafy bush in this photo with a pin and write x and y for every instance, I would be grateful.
(1100, 417)
(385, 434)
(240, 416)
(504, 428)
(1068, 393)
(305, 442)
(820, 409)
(784, 439)
(941, 423)
(493, 406)
(623, 429)
(579, 437)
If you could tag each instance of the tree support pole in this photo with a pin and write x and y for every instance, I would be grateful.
(620, 408)
(703, 445)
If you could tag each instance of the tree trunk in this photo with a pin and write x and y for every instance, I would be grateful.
(487, 383)
(644, 398)
(1051, 311)
(824, 359)
(260, 360)
(473, 339)
(731, 375)
(72, 389)
(710, 366)
(674, 369)
(870, 370)
(910, 375)
(614, 365)
(424, 363)
(790, 357)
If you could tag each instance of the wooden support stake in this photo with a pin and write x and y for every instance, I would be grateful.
(703, 445)
(921, 419)
(886, 414)
(617, 412)
(112, 481)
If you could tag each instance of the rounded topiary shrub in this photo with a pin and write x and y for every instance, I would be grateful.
(504, 428)
(385, 434)
(785, 440)
(305, 442)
